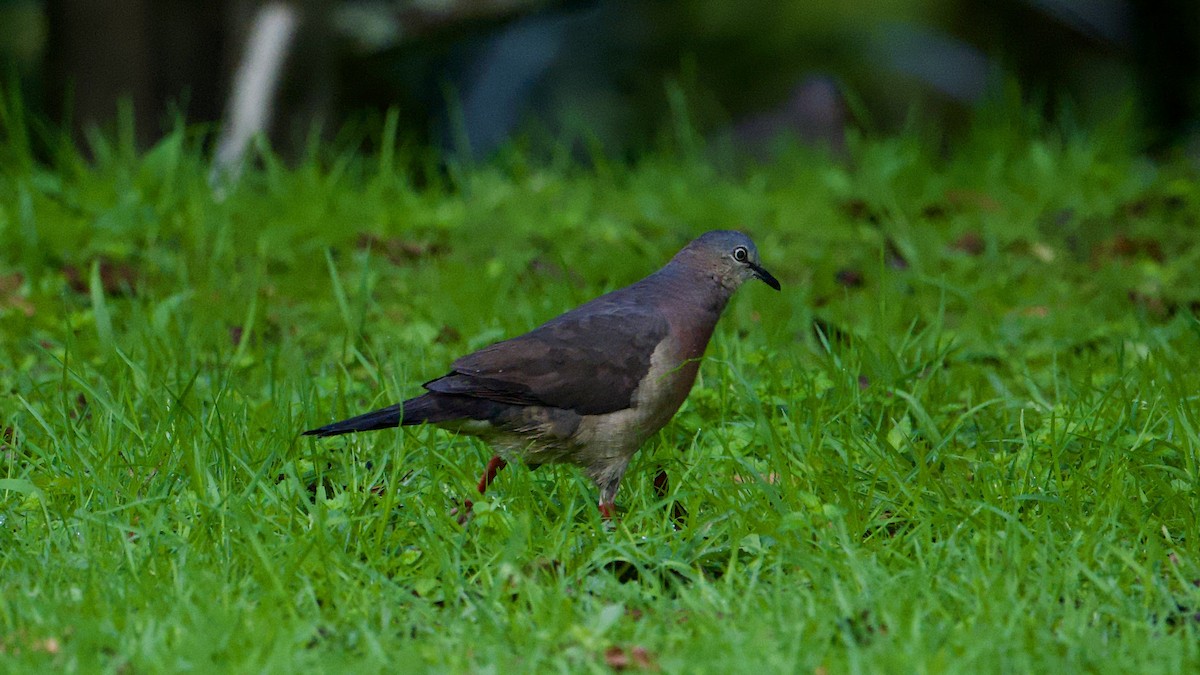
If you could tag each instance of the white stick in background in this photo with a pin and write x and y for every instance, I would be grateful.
(254, 87)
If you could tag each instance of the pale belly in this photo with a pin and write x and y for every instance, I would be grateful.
(619, 434)
(540, 435)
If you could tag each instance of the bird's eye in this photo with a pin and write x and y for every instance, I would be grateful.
(740, 254)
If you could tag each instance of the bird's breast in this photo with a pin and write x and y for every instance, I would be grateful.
(673, 367)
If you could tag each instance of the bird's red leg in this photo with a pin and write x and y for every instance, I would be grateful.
(489, 474)
(608, 510)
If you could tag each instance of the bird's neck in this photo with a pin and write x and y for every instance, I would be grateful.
(692, 303)
(701, 293)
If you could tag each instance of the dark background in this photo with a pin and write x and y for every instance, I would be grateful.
(465, 77)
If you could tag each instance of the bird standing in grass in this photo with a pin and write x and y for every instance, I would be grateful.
(590, 386)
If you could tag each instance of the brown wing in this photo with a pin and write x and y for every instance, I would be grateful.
(589, 360)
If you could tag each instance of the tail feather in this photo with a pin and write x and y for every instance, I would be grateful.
(432, 408)
(384, 418)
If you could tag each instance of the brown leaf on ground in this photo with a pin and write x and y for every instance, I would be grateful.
(448, 335)
(970, 243)
(11, 283)
(1123, 248)
(10, 294)
(616, 658)
(1156, 306)
(81, 407)
(934, 211)
(643, 659)
(402, 251)
(858, 209)
(849, 278)
(116, 278)
(636, 658)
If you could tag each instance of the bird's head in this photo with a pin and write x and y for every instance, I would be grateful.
(729, 257)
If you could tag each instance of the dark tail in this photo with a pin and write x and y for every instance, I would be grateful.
(384, 418)
(427, 408)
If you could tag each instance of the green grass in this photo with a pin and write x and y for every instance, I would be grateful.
(983, 460)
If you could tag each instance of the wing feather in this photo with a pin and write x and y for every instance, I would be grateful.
(589, 361)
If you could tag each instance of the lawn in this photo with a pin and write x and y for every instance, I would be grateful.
(964, 438)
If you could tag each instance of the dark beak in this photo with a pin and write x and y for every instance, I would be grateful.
(766, 276)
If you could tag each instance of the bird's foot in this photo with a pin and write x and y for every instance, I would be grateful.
(464, 514)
